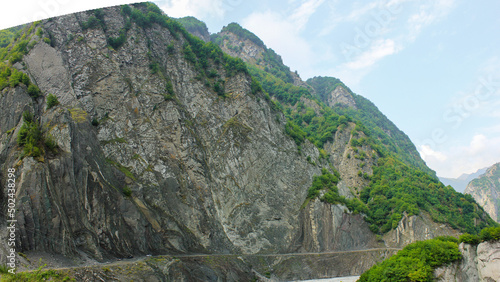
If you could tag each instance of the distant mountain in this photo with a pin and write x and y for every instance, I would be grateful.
(461, 182)
(486, 191)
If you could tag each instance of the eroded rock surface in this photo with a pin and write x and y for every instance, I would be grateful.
(479, 263)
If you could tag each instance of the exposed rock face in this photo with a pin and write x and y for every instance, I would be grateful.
(141, 170)
(479, 263)
(328, 227)
(252, 52)
(351, 165)
(206, 173)
(416, 228)
(486, 191)
(196, 27)
(341, 96)
(247, 50)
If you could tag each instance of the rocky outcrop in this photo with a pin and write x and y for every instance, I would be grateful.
(253, 52)
(341, 96)
(327, 227)
(486, 191)
(416, 228)
(195, 27)
(353, 163)
(479, 263)
(205, 173)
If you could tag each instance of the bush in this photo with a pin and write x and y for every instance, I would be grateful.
(91, 23)
(169, 88)
(34, 91)
(126, 10)
(52, 101)
(490, 234)
(469, 239)
(416, 262)
(127, 191)
(486, 234)
(154, 67)
(27, 116)
(31, 139)
(219, 88)
(51, 143)
(117, 42)
(29, 136)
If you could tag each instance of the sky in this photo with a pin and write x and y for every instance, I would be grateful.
(431, 66)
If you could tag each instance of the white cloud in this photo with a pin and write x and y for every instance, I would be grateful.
(360, 65)
(301, 15)
(482, 151)
(195, 8)
(284, 37)
(358, 13)
(490, 67)
(378, 50)
(428, 13)
(383, 28)
(428, 154)
(18, 12)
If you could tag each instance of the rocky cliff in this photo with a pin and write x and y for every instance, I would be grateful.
(479, 263)
(206, 172)
(486, 191)
(161, 143)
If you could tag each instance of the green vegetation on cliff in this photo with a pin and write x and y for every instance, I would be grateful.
(396, 188)
(40, 274)
(207, 57)
(401, 183)
(487, 234)
(416, 262)
(193, 25)
(271, 62)
(376, 124)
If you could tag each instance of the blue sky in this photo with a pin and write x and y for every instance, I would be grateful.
(433, 67)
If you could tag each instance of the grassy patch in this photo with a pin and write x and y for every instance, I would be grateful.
(78, 115)
(122, 168)
(38, 275)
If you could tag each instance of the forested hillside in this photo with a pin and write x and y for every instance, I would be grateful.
(400, 181)
(128, 133)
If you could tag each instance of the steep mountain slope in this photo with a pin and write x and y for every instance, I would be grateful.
(338, 96)
(126, 135)
(460, 183)
(486, 191)
(376, 162)
(155, 153)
